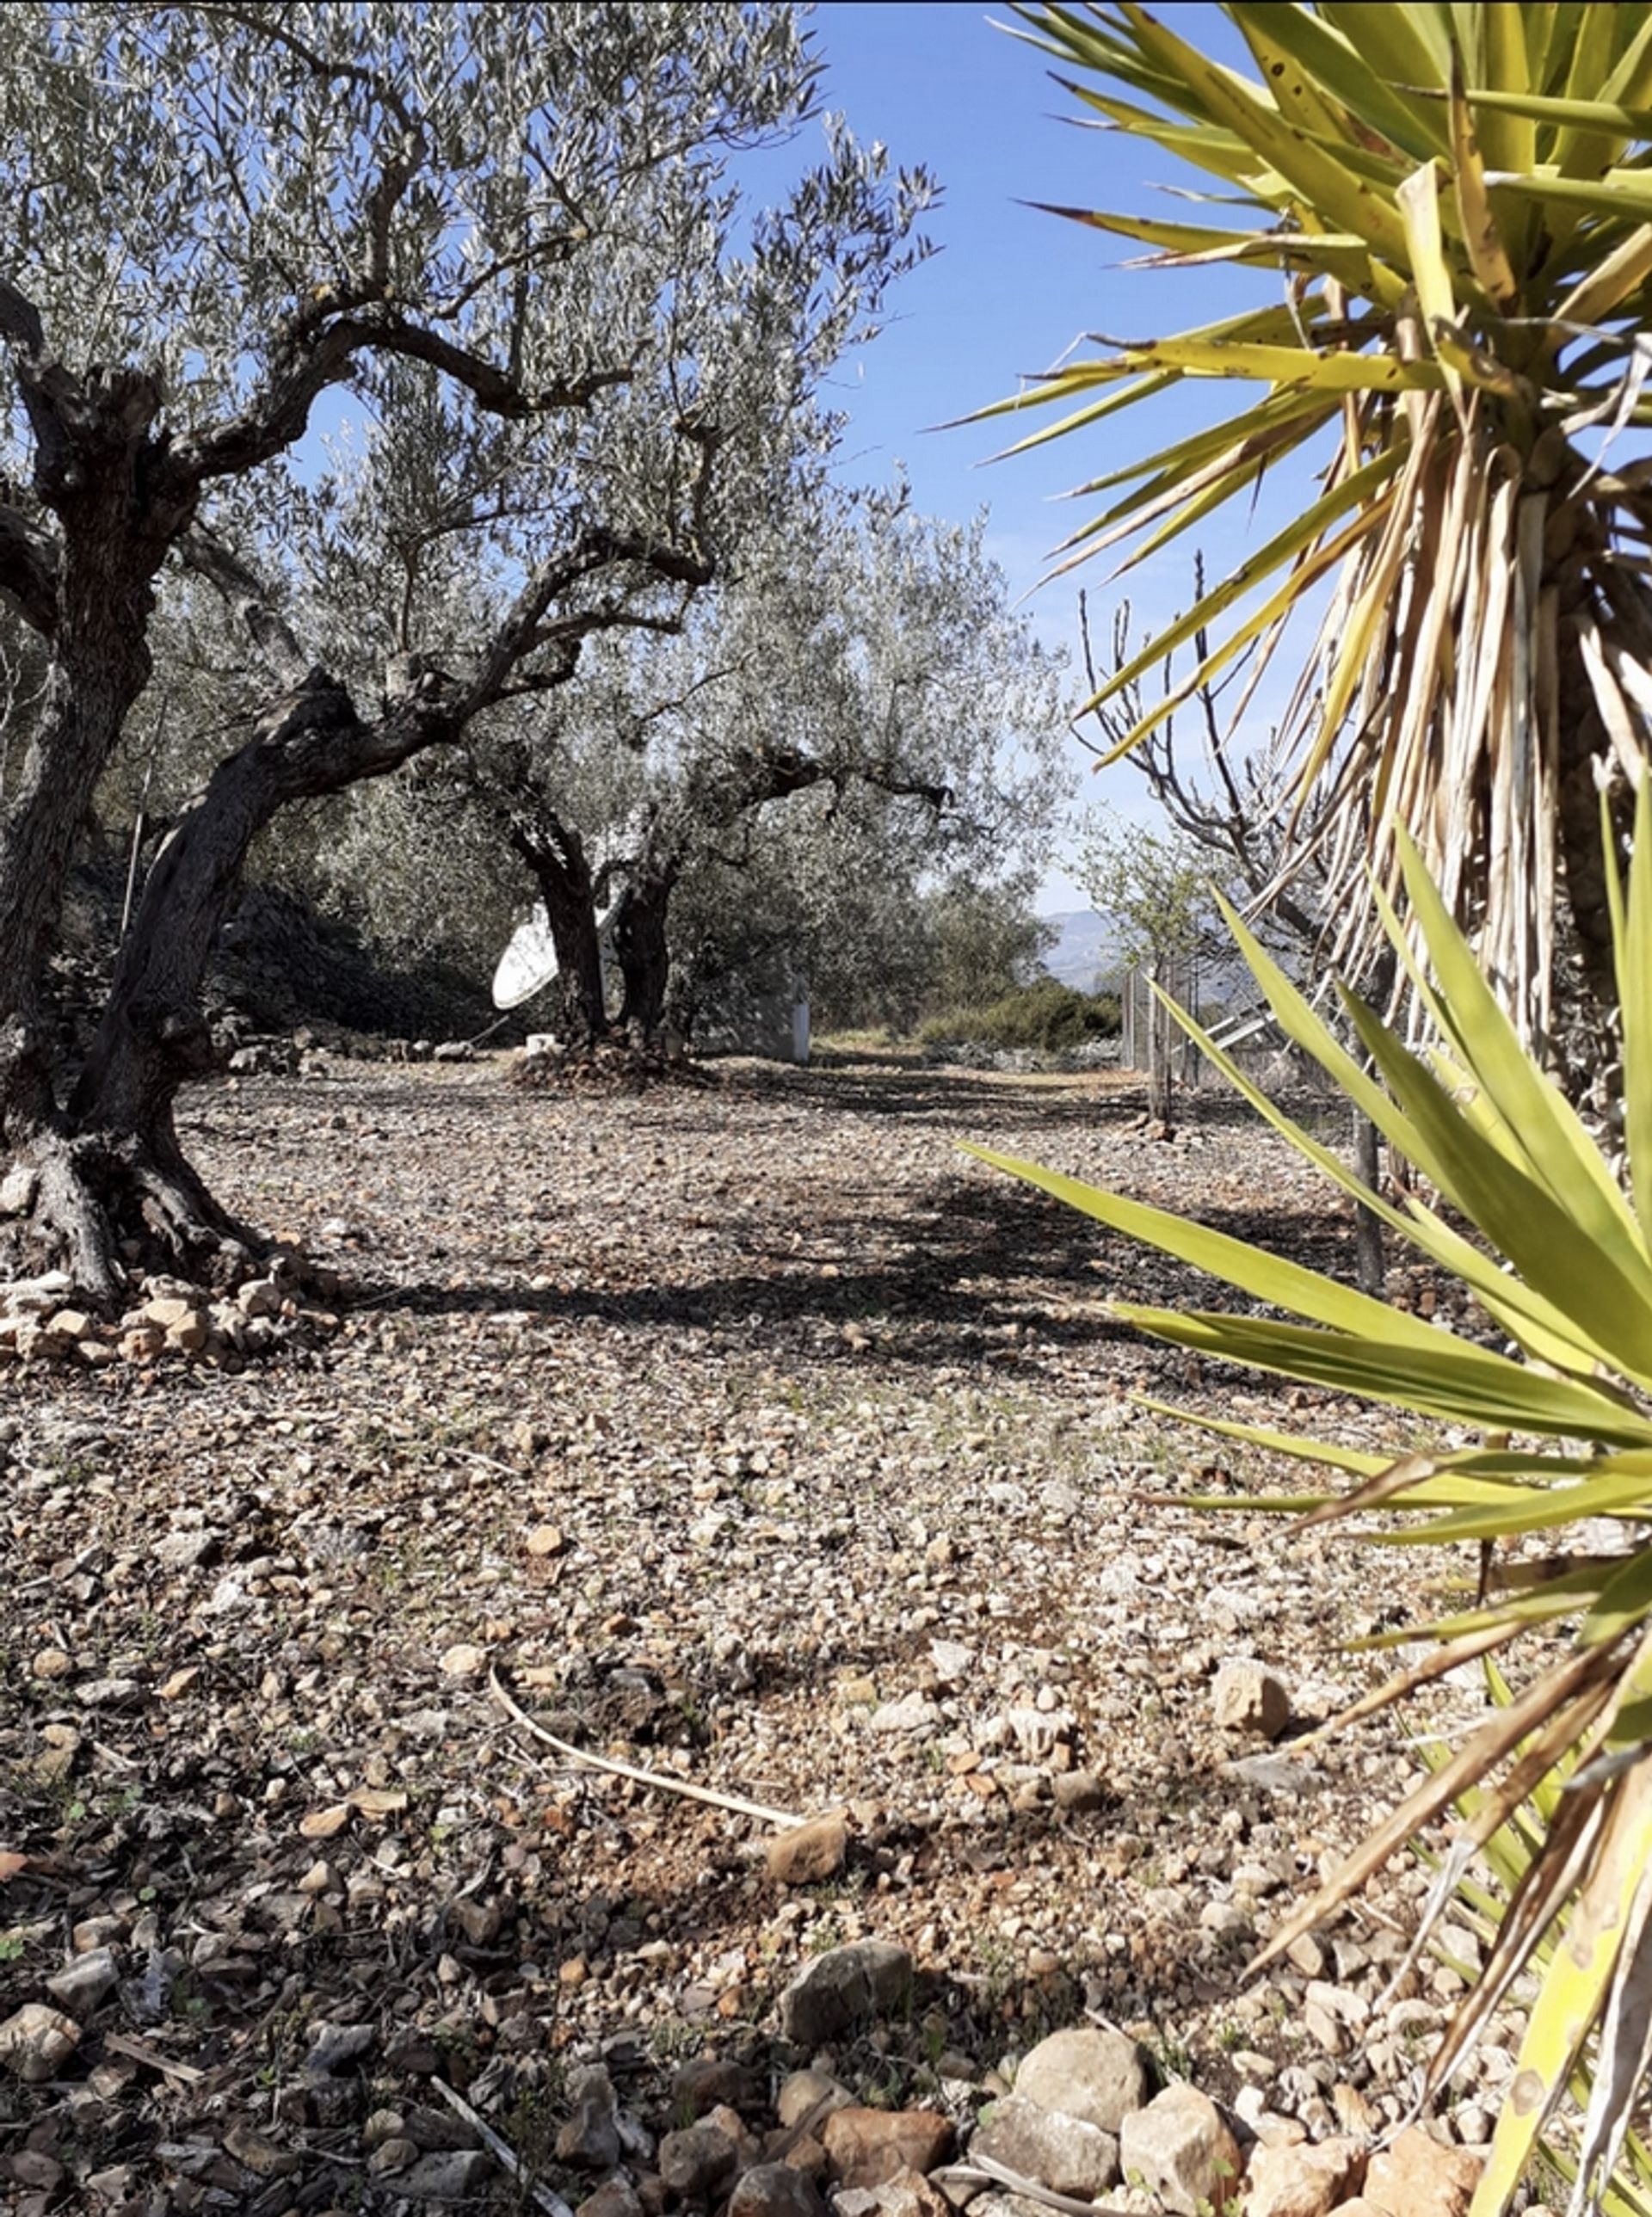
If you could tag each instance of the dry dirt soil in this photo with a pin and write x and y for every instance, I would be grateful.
(747, 1432)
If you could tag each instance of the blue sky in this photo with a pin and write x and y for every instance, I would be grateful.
(1010, 292)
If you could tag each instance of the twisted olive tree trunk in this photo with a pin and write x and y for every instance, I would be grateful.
(643, 951)
(102, 472)
(116, 1171)
(556, 856)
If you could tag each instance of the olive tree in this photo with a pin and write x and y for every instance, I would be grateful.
(857, 682)
(517, 225)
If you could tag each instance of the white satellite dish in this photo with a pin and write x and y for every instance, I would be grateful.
(529, 963)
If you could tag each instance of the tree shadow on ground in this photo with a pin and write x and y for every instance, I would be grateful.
(964, 1267)
(938, 1098)
(945, 1283)
(935, 1093)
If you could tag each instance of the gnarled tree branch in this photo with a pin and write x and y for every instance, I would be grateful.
(28, 571)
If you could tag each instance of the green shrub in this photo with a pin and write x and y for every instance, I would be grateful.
(1046, 1016)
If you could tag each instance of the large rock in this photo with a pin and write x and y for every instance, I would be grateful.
(908, 2193)
(335, 2046)
(1249, 1697)
(187, 1551)
(1417, 2178)
(1306, 2181)
(810, 2093)
(1062, 2152)
(808, 1853)
(867, 2146)
(698, 2162)
(1180, 2148)
(1078, 1792)
(842, 1988)
(747, 2146)
(711, 2079)
(912, 1712)
(774, 2190)
(458, 2175)
(17, 1190)
(34, 2040)
(614, 2197)
(591, 2138)
(82, 1984)
(806, 2155)
(1090, 2073)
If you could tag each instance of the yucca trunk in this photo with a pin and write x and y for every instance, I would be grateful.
(1453, 208)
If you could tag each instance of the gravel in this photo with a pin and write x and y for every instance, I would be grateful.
(749, 1435)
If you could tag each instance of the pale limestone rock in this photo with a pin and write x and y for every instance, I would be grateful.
(1249, 1697)
(1415, 2177)
(1181, 2148)
(1309, 2181)
(1090, 2073)
(1061, 2152)
(908, 2193)
(17, 1190)
(914, 1711)
(805, 2090)
(34, 2040)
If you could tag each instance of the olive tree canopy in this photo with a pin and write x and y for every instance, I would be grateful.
(854, 701)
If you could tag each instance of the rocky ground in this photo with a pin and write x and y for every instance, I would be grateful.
(749, 1435)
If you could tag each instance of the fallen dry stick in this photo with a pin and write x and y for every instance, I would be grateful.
(139, 2051)
(780, 1818)
(503, 2152)
(982, 2171)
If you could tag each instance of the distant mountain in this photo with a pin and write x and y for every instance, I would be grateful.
(1085, 951)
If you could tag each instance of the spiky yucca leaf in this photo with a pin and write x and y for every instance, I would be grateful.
(1458, 202)
(1565, 1272)
(1509, 1832)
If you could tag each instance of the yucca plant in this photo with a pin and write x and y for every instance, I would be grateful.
(1506, 1856)
(1559, 1390)
(1455, 203)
